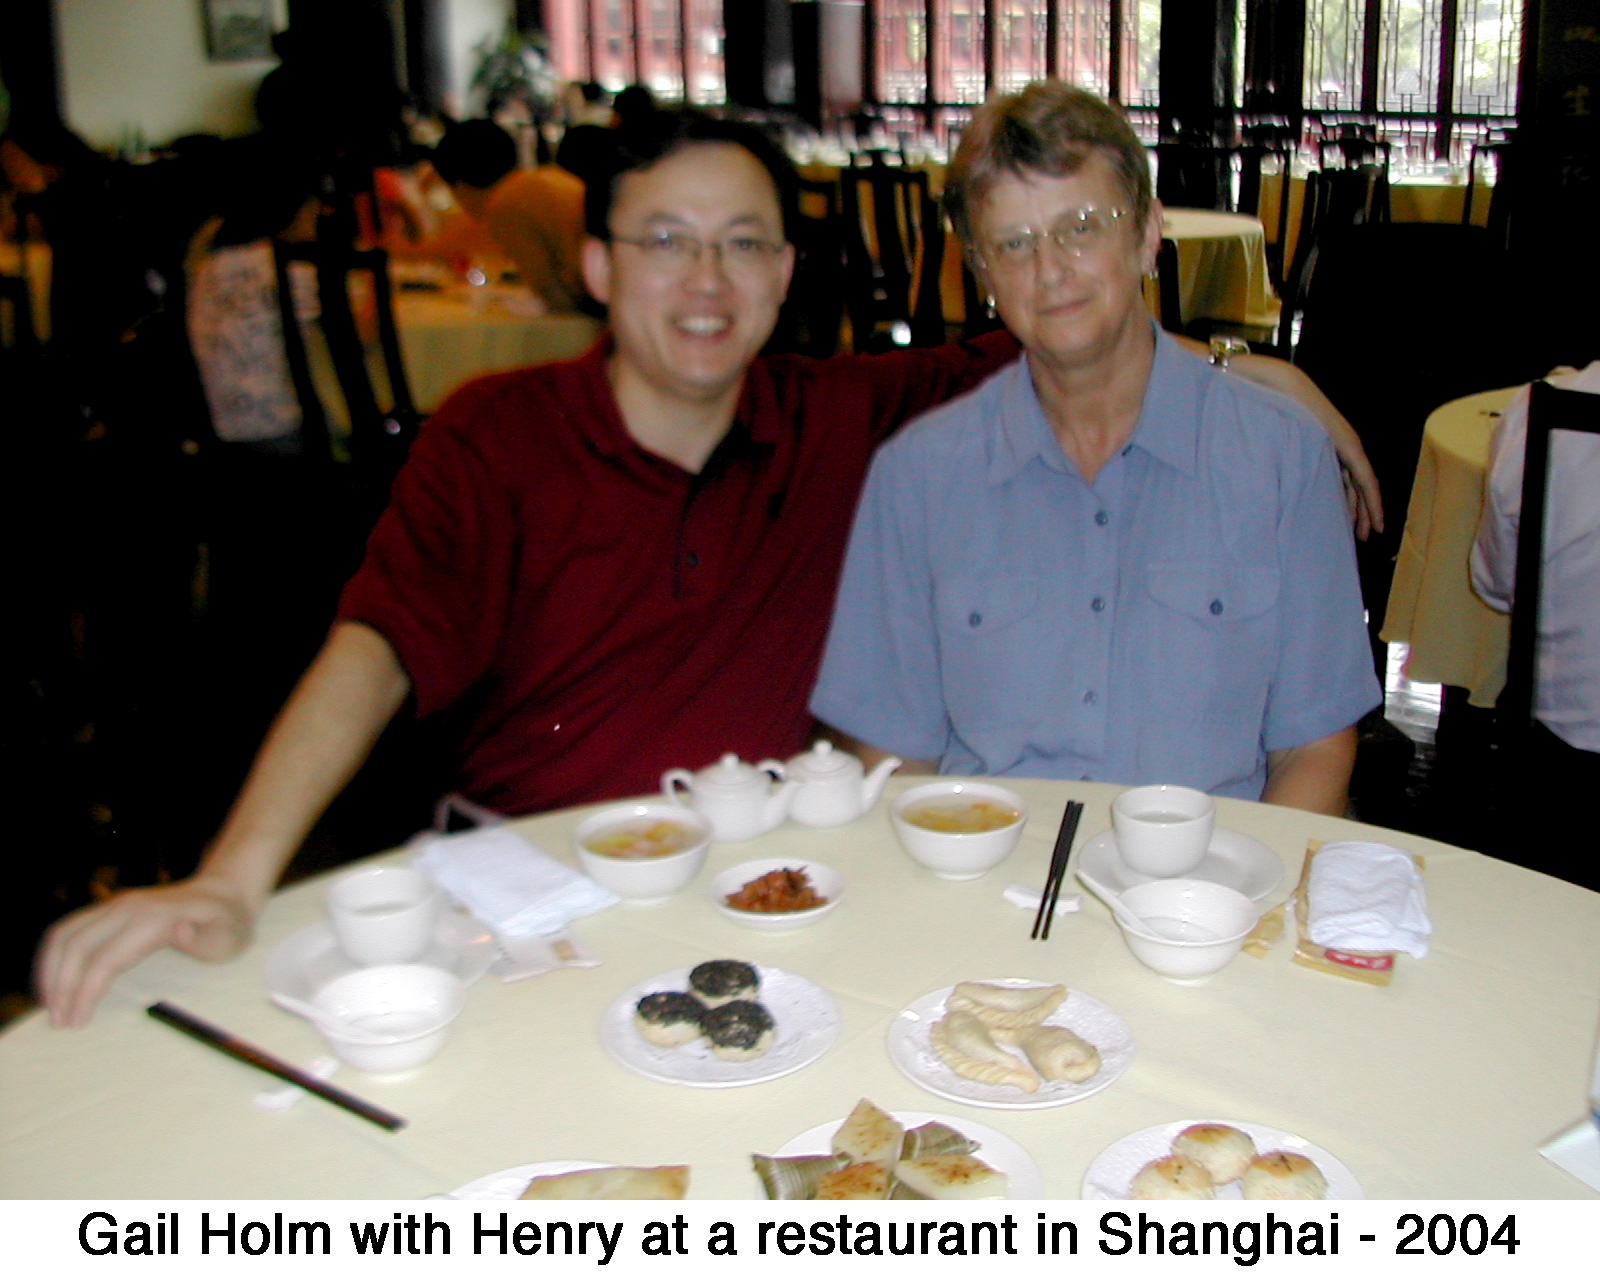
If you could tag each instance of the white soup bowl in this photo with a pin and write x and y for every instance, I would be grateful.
(408, 1005)
(643, 880)
(1198, 926)
(949, 854)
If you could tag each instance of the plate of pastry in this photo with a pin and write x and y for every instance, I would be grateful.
(1222, 1161)
(720, 1024)
(1011, 1044)
(1235, 861)
(578, 1181)
(873, 1154)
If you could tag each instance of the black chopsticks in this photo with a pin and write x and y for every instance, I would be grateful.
(1058, 868)
(250, 1054)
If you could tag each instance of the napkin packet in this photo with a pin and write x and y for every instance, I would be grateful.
(525, 896)
(1357, 907)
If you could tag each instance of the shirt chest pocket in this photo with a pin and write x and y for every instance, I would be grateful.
(1213, 595)
(977, 609)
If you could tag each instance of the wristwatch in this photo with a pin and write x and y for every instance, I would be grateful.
(1224, 348)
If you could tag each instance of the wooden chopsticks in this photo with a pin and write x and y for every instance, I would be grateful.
(250, 1054)
(1058, 869)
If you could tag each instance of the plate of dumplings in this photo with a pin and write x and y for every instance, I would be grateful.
(1011, 1044)
(1218, 1161)
(720, 1024)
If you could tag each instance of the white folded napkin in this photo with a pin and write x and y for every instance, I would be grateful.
(1367, 897)
(508, 883)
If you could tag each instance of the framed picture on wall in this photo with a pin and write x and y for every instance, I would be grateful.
(238, 30)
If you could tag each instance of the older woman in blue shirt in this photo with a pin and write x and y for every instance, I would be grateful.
(1111, 562)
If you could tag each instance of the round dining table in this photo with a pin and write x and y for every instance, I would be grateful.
(1441, 1084)
(452, 336)
(1222, 267)
(1455, 638)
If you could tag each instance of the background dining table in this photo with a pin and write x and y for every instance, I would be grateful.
(452, 336)
(1455, 638)
(1222, 267)
(1442, 1084)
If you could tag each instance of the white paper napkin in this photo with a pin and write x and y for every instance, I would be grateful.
(1367, 897)
(1577, 1151)
(511, 885)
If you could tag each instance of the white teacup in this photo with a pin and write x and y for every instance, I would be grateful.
(386, 914)
(1163, 831)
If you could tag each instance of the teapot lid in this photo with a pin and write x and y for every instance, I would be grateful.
(730, 770)
(823, 761)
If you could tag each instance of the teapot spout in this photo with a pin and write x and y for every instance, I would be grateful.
(872, 784)
(777, 805)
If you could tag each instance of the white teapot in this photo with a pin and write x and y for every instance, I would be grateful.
(834, 785)
(738, 799)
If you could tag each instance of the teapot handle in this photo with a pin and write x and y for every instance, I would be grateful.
(671, 780)
(774, 769)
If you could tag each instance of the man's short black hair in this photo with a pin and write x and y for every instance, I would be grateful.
(668, 132)
(477, 153)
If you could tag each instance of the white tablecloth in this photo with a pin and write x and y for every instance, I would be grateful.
(1441, 1085)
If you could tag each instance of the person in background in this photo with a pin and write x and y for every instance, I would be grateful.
(1110, 562)
(588, 141)
(1565, 745)
(531, 216)
(605, 567)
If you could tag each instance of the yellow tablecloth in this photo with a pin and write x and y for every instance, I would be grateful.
(448, 339)
(1441, 1085)
(1222, 267)
(1455, 638)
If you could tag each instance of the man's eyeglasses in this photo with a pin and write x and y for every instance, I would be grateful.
(673, 253)
(1077, 233)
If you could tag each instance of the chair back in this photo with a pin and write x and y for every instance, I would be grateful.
(1549, 409)
(1337, 199)
(813, 311)
(379, 438)
(16, 314)
(893, 260)
(1171, 298)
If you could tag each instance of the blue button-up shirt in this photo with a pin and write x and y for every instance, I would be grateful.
(1193, 608)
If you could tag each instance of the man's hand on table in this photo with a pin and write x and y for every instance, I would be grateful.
(343, 702)
(83, 953)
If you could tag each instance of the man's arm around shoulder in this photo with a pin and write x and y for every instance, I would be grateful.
(320, 738)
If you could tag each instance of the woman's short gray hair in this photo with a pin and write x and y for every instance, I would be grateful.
(1051, 128)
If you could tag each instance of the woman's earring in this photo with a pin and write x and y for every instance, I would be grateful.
(989, 310)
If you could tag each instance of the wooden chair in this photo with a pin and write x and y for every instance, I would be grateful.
(814, 308)
(379, 438)
(893, 264)
(1549, 409)
(1171, 299)
(16, 314)
(1336, 199)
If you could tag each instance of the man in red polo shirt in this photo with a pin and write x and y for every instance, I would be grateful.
(623, 563)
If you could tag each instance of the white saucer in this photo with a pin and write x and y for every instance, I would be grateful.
(1110, 1175)
(509, 1184)
(999, 1151)
(301, 964)
(1089, 1018)
(805, 1016)
(1236, 861)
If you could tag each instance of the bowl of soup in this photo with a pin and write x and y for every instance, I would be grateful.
(958, 829)
(644, 852)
